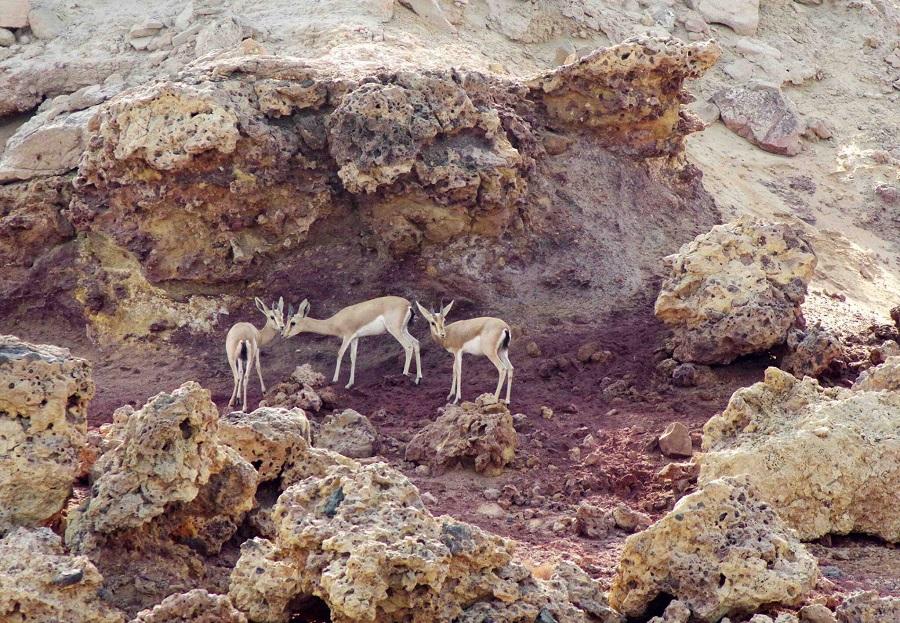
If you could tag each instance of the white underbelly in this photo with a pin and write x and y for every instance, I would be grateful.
(473, 346)
(376, 327)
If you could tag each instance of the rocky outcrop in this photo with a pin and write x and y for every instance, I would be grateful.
(763, 115)
(811, 352)
(270, 439)
(163, 501)
(880, 378)
(360, 539)
(196, 606)
(721, 551)
(824, 458)
(348, 433)
(735, 290)
(39, 582)
(479, 433)
(868, 607)
(43, 427)
(31, 221)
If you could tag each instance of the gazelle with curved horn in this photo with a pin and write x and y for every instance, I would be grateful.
(477, 336)
(386, 314)
(242, 346)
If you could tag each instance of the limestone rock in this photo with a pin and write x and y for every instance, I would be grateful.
(868, 607)
(7, 38)
(882, 377)
(742, 16)
(720, 551)
(763, 115)
(675, 612)
(811, 352)
(348, 433)
(676, 440)
(43, 427)
(735, 290)
(824, 458)
(593, 521)
(480, 433)
(196, 606)
(271, 439)
(817, 613)
(221, 34)
(14, 13)
(360, 539)
(44, 23)
(629, 519)
(39, 582)
(46, 147)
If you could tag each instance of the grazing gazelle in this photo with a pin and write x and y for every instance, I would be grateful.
(387, 314)
(477, 336)
(242, 346)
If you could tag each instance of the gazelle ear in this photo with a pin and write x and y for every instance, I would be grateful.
(303, 308)
(423, 311)
(281, 305)
(260, 305)
(446, 310)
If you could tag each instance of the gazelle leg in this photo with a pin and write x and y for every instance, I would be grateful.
(236, 381)
(501, 371)
(353, 344)
(245, 378)
(458, 377)
(340, 357)
(453, 381)
(504, 357)
(403, 338)
(259, 372)
(414, 344)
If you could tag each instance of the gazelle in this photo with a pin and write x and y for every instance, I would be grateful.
(242, 346)
(387, 314)
(477, 336)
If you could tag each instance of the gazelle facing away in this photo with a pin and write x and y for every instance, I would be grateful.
(387, 314)
(242, 346)
(477, 336)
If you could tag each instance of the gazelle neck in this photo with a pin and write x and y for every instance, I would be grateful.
(267, 334)
(322, 327)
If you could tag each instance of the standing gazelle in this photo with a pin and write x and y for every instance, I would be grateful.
(242, 346)
(477, 336)
(387, 314)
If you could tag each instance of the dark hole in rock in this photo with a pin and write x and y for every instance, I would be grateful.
(308, 609)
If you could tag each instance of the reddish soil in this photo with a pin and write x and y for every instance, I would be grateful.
(624, 419)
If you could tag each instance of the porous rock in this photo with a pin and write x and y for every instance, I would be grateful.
(735, 290)
(480, 433)
(39, 582)
(592, 521)
(43, 427)
(884, 377)
(348, 433)
(196, 606)
(360, 539)
(811, 352)
(762, 114)
(868, 607)
(270, 438)
(675, 612)
(824, 458)
(720, 551)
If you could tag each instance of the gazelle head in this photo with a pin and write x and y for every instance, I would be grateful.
(274, 315)
(436, 320)
(293, 325)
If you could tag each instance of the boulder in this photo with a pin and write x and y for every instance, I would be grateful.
(884, 377)
(14, 13)
(44, 23)
(7, 38)
(43, 429)
(271, 439)
(762, 114)
(221, 34)
(742, 16)
(45, 146)
(196, 606)
(811, 352)
(676, 440)
(675, 612)
(479, 433)
(40, 583)
(735, 290)
(630, 520)
(593, 522)
(817, 613)
(824, 458)
(163, 501)
(721, 551)
(868, 607)
(348, 433)
(360, 539)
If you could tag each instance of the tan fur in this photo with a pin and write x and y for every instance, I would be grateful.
(350, 321)
(246, 333)
(454, 337)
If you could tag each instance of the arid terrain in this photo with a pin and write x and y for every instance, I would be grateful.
(664, 199)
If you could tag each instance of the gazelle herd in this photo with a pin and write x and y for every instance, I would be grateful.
(485, 336)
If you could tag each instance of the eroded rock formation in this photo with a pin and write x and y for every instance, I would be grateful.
(735, 290)
(196, 606)
(883, 377)
(39, 582)
(271, 439)
(721, 551)
(824, 458)
(479, 433)
(43, 427)
(348, 433)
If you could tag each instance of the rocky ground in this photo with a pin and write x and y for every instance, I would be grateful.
(165, 162)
